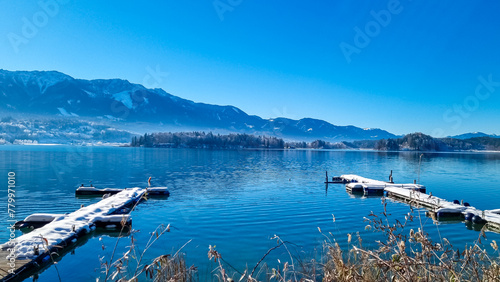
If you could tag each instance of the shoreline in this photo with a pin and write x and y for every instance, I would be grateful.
(125, 145)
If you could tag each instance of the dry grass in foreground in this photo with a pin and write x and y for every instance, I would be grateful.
(409, 255)
(404, 255)
(130, 267)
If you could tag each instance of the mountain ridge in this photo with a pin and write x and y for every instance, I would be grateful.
(52, 93)
(474, 135)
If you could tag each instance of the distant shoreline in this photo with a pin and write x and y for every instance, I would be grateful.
(125, 145)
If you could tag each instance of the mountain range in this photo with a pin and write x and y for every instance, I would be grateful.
(119, 104)
(474, 135)
(128, 105)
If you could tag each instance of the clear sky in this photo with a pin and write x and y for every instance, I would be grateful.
(403, 66)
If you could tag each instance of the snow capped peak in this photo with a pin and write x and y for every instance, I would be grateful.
(124, 98)
(43, 79)
(65, 96)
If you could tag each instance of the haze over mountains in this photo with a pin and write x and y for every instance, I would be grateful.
(474, 135)
(126, 108)
(53, 94)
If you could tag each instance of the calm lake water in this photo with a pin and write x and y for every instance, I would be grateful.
(238, 200)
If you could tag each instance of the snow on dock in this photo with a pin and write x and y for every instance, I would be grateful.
(358, 183)
(35, 248)
(441, 208)
(352, 178)
(415, 194)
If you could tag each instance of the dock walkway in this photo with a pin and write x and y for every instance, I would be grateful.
(34, 249)
(415, 195)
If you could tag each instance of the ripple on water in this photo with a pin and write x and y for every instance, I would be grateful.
(240, 200)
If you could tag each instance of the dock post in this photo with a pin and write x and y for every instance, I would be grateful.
(326, 179)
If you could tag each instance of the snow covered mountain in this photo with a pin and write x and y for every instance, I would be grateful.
(51, 93)
(473, 135)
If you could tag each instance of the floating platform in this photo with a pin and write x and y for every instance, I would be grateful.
(365, 189)
(376, 184)
(61, 233)
(93, 191)
(415, 195)
(335, 180)
(441, 209)
(358, 184)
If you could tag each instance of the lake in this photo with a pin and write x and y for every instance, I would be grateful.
(238, 200)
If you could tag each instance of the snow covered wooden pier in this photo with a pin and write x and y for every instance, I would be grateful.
(441, 209)
(415, 195)
(356, 183)
(34, 250)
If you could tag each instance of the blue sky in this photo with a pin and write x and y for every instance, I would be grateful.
(403, 66)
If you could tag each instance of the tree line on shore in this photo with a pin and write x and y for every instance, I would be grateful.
(410, 142)
(206, 140)
(422, 142)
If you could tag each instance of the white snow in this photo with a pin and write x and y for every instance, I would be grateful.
(125, 98)
(111, 117)
(91, 94)
(375, 183)
(63, 112)
(24, 77)
(496, 211)
(63, 227)
(49, 79)
(43, 81)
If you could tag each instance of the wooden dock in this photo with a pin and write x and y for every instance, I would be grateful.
(5, 264)
(415, 195)
(371, 186)
(35, 250)
(434, 204)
